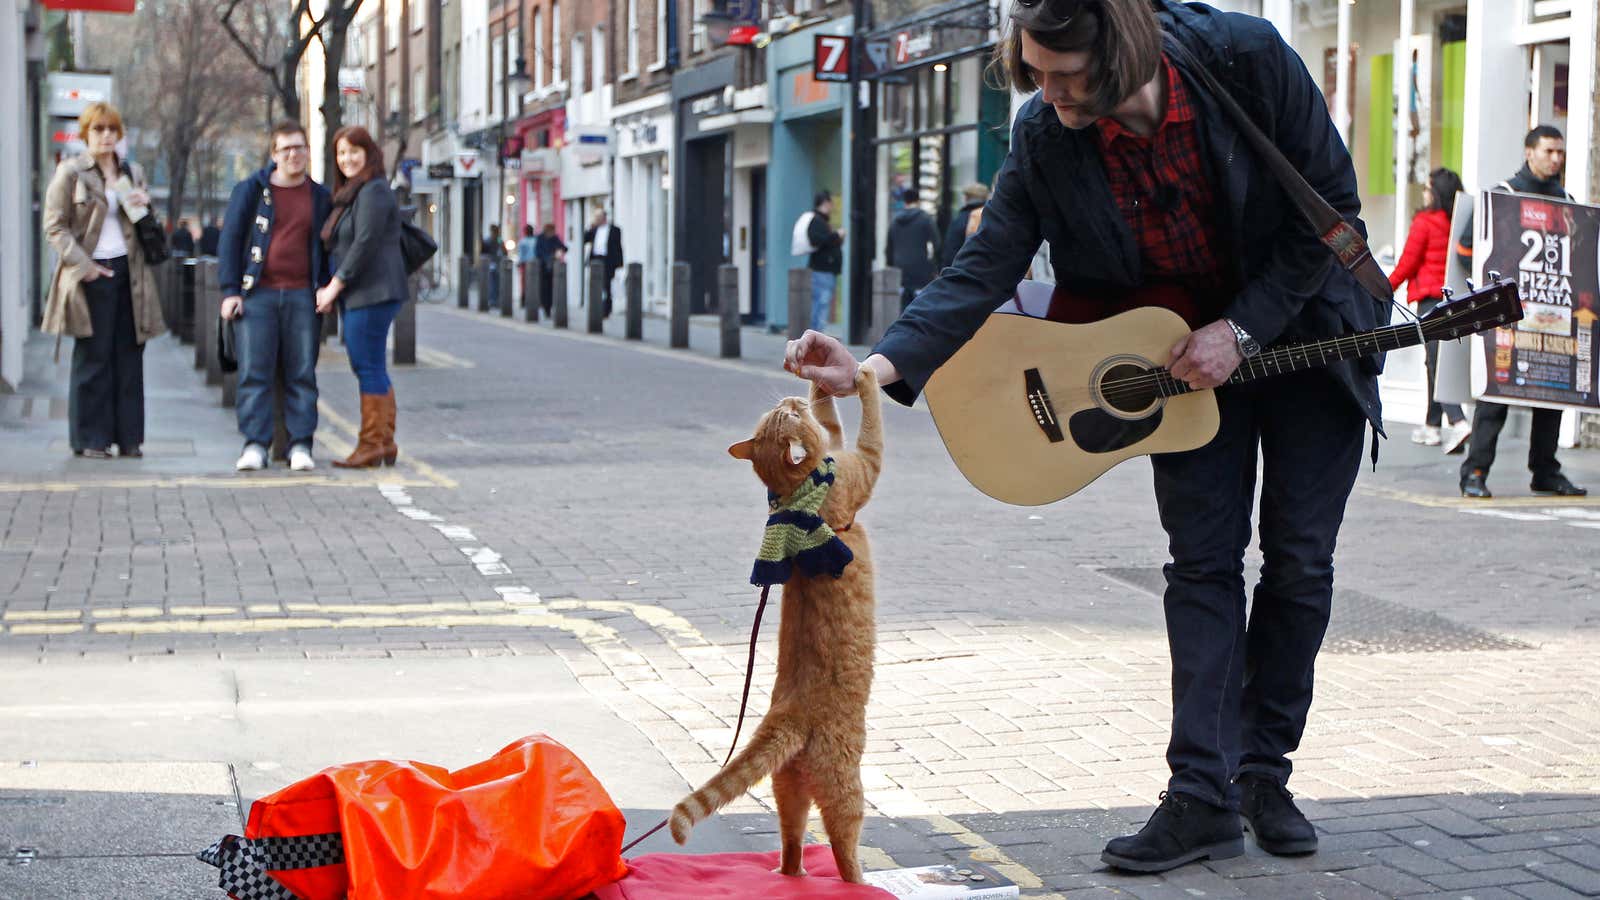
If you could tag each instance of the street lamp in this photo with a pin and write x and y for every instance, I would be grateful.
(519, 79)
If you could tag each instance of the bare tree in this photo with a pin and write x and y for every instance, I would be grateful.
(336, 20)
(273, 43)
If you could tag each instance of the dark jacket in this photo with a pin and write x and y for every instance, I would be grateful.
(913, 240)
(956, 235)
(247, 231)
(613, 250)
(827, 257)
(545, 247)
(1524, 182)
(366, 248)
(211, 237)
(1052, 186)
(182, 241)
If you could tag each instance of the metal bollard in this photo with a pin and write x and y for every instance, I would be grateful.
(885, 302)
(206, 323)
(634, 288)
(483, 276)
(186, 301)
(405, 332)
(597, 285)
(508, 302)
(799, 302)
(464, 284)
(728, 308)
(558, 286)
(531, 298)
(680, 306)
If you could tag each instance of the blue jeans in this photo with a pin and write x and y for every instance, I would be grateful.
(278, 328)
(1241, 689)
(822, 284)
(366, 340)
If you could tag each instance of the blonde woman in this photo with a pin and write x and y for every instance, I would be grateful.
(102, 293)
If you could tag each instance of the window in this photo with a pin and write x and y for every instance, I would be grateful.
(631, 29)
(555, 42)
(597, 51)
(697, 28)
(391, 21)
(661, 34)
(419, 13)
(447, 88)
(419, 94)
(538, 52)
(577, 65)
(513, 54)
(497, 74)
(393, 98)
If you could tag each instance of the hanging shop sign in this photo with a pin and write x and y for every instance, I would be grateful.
(1548, 358)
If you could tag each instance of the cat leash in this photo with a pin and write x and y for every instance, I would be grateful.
(744, 702)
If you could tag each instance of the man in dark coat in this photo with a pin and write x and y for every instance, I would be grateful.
(913, 239)
(975, 195)
(1125, 163)
(210, 237)
(182, 239)
(603, 241)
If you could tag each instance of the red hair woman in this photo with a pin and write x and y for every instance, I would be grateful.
(369, 284)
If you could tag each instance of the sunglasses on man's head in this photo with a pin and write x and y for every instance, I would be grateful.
(1046, 15)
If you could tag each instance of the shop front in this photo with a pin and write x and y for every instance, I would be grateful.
(934, 126)
(539, 197)
(643, 191)
(809, 145)
(703, 183)
(586, 158)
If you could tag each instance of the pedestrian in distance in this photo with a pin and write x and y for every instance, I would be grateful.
(368, 284)
(975, 195)
(526, 256)
(270, 261)
(1422, 263)
(816, 238)
(913, 241)
(603, 242)
(493, 253)
(102, 293)
(1123, 161)
(548, 249)
(182, 241)
(210, 237)
(1544, 158)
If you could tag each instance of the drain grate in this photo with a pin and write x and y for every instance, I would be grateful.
(1363, 623)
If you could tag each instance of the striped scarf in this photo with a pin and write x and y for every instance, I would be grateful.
(796, 534)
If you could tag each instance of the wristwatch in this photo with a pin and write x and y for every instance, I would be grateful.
(1248, 346)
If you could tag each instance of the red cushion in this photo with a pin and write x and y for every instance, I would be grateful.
(734, 876)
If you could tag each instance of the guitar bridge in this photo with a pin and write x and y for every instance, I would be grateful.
(1044, 412)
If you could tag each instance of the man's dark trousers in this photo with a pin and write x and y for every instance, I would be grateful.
(1489, 418)
(1240, 693)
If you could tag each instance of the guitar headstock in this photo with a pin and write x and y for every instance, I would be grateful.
(1495, 305)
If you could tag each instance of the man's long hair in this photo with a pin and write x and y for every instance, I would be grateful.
(1122, 38)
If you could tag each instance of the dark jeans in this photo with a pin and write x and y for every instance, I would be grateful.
(1241, 690)
(105, 402)
(1437, 412)
(1489, 418)
(279, 329)
(494, 285)
(547, 274)
(366, 340)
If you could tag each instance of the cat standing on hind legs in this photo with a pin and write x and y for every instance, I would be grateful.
(815, 730)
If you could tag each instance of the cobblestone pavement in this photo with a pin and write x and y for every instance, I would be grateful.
(571, 495)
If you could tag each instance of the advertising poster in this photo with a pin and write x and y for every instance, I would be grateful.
(1552, 248)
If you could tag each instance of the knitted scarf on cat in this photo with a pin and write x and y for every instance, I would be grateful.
(796, 534)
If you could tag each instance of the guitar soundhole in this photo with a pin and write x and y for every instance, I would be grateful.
(1127, 388)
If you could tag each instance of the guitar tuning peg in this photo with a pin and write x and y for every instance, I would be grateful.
(1493, 275)
(1446, 294)
(1470, 285)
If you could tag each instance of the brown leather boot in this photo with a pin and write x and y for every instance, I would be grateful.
(390, 451)
(369, 447)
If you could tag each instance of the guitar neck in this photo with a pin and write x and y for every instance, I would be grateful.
(1310, 355)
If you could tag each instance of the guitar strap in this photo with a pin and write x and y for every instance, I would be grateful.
(1339, 236)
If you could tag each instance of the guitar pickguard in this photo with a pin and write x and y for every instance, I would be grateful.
(1097, 431)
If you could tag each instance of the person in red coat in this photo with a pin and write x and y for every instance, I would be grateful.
(1422, 264)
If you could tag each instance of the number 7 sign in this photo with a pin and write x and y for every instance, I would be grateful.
(831, 58)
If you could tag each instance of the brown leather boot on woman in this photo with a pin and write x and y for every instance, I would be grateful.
(390, 451)
(369, 449)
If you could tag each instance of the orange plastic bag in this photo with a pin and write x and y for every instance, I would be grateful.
(531, 822)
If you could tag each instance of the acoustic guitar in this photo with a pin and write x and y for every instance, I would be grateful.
(1033, 410)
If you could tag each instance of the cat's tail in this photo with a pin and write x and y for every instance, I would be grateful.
(770, 747)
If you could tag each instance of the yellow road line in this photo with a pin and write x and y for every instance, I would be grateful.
(339, 423)
(39, 615)
(1445, 501)
(71, 628)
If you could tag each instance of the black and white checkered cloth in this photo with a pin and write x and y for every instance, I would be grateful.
(245, 863)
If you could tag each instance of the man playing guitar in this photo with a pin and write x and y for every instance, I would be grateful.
(1126, 164)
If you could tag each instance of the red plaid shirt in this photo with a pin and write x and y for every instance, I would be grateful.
(1161, 186)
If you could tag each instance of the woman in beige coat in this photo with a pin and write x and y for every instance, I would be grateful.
(102, 293)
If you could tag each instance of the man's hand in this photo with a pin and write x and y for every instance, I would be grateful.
(1206, 358)
(824, 361)
(232, 307)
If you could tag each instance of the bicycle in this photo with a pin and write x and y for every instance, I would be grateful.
(431, 284)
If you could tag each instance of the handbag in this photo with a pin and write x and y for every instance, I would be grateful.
(227, 346)
(152, 238)
(416, 246)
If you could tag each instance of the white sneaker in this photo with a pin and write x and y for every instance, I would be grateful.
(253, 459)
(1455, 436)
(300, 458)
(1427, 435)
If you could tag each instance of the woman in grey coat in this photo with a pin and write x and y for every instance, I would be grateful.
(369, 284)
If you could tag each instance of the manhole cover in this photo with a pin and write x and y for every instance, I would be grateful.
(1362, 623)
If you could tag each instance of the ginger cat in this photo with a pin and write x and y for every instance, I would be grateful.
(815, 730)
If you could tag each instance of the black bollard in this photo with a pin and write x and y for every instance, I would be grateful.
(634, 282)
